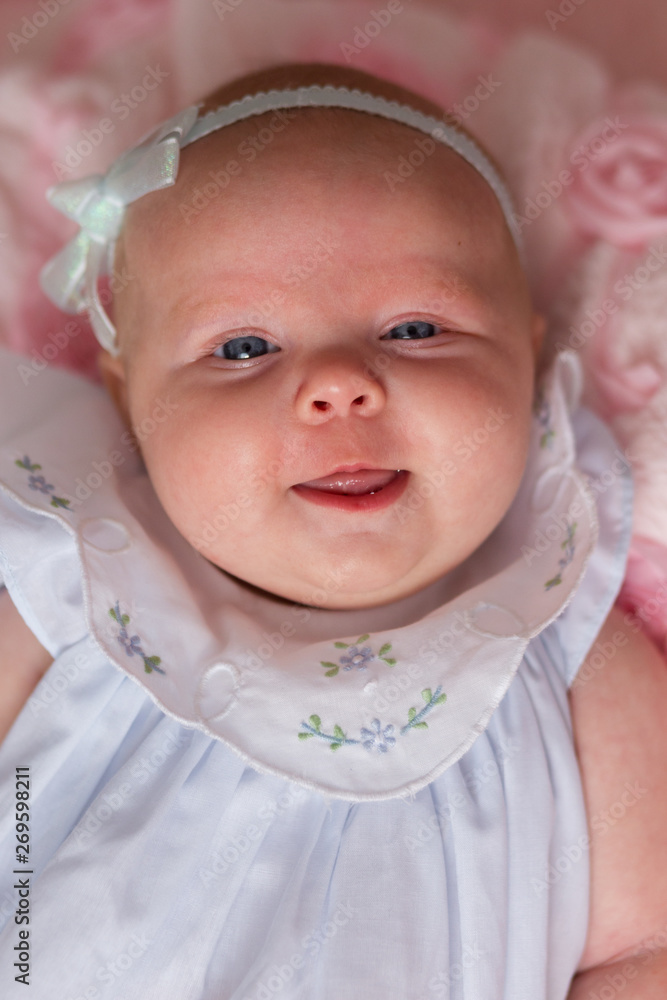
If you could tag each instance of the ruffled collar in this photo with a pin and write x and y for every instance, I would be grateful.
(368, 704)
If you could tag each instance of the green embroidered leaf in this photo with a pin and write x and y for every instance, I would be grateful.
(155, 660)
(440, 700)
(427, 694)
(411, 714)
(125, 619)
(305, 736)
(331, 673)
(340, 645)
(362, 638)
(147, 667)
(553, 582)
(59, 502)
(335, 746)
(385, 649)
(420, 725)
(389, 660)
(339, 732)
(112, 612)
(324, 663)
(315, 722)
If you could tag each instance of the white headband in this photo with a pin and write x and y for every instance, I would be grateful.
(98, 202)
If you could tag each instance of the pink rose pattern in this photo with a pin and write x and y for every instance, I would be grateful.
(619, 192)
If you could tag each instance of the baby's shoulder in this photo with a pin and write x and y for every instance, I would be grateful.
(619, 706)
(23, 661)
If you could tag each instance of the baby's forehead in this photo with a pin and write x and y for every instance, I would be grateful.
(298, 150)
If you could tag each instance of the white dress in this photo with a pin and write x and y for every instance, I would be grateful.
(236, 798)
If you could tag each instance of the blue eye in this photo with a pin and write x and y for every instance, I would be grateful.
(414, 330)
(242, 348)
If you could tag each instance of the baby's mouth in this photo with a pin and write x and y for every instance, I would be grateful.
(355, 490)
(361, 482)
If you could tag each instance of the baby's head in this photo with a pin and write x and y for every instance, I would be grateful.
(322, 309)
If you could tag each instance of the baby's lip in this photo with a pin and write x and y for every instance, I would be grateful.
(355, 481)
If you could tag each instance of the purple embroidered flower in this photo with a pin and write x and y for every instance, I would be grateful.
(39, 483)
(355, 657)
(377, 737)
(132, 644)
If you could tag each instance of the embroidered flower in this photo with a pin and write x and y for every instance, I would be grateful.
(356, 657)
(542, 410)
(132, 644)
(568, 555)
(378, 738)
(39, 482)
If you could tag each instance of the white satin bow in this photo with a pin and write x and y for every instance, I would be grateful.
(98, 204)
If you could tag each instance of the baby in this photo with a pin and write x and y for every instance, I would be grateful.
(377, 729)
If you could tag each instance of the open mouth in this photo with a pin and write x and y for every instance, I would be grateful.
(361, 489)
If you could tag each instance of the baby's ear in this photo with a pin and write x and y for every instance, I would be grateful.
(112, 371)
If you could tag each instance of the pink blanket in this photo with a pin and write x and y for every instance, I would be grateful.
(586, 159)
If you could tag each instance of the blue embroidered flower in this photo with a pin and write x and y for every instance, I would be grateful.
(132, 644)
(377, 737)
(39, 483)
(569, 548)
(355, 657)
(542, 410)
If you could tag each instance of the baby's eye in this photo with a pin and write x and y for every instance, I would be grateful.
(242, 348)
(414, 330)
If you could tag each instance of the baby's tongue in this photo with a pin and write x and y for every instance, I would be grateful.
(362, 481)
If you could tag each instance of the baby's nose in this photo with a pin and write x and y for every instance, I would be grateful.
(337, 387)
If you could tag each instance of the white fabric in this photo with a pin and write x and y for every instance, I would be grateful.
(201, 860)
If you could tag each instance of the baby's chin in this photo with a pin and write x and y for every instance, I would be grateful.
(345, 584)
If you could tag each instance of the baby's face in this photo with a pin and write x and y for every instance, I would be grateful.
(314, 320)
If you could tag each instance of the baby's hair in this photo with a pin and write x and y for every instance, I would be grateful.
(295, 75)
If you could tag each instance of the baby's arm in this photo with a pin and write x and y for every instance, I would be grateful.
(23, 661)
(620, 726)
